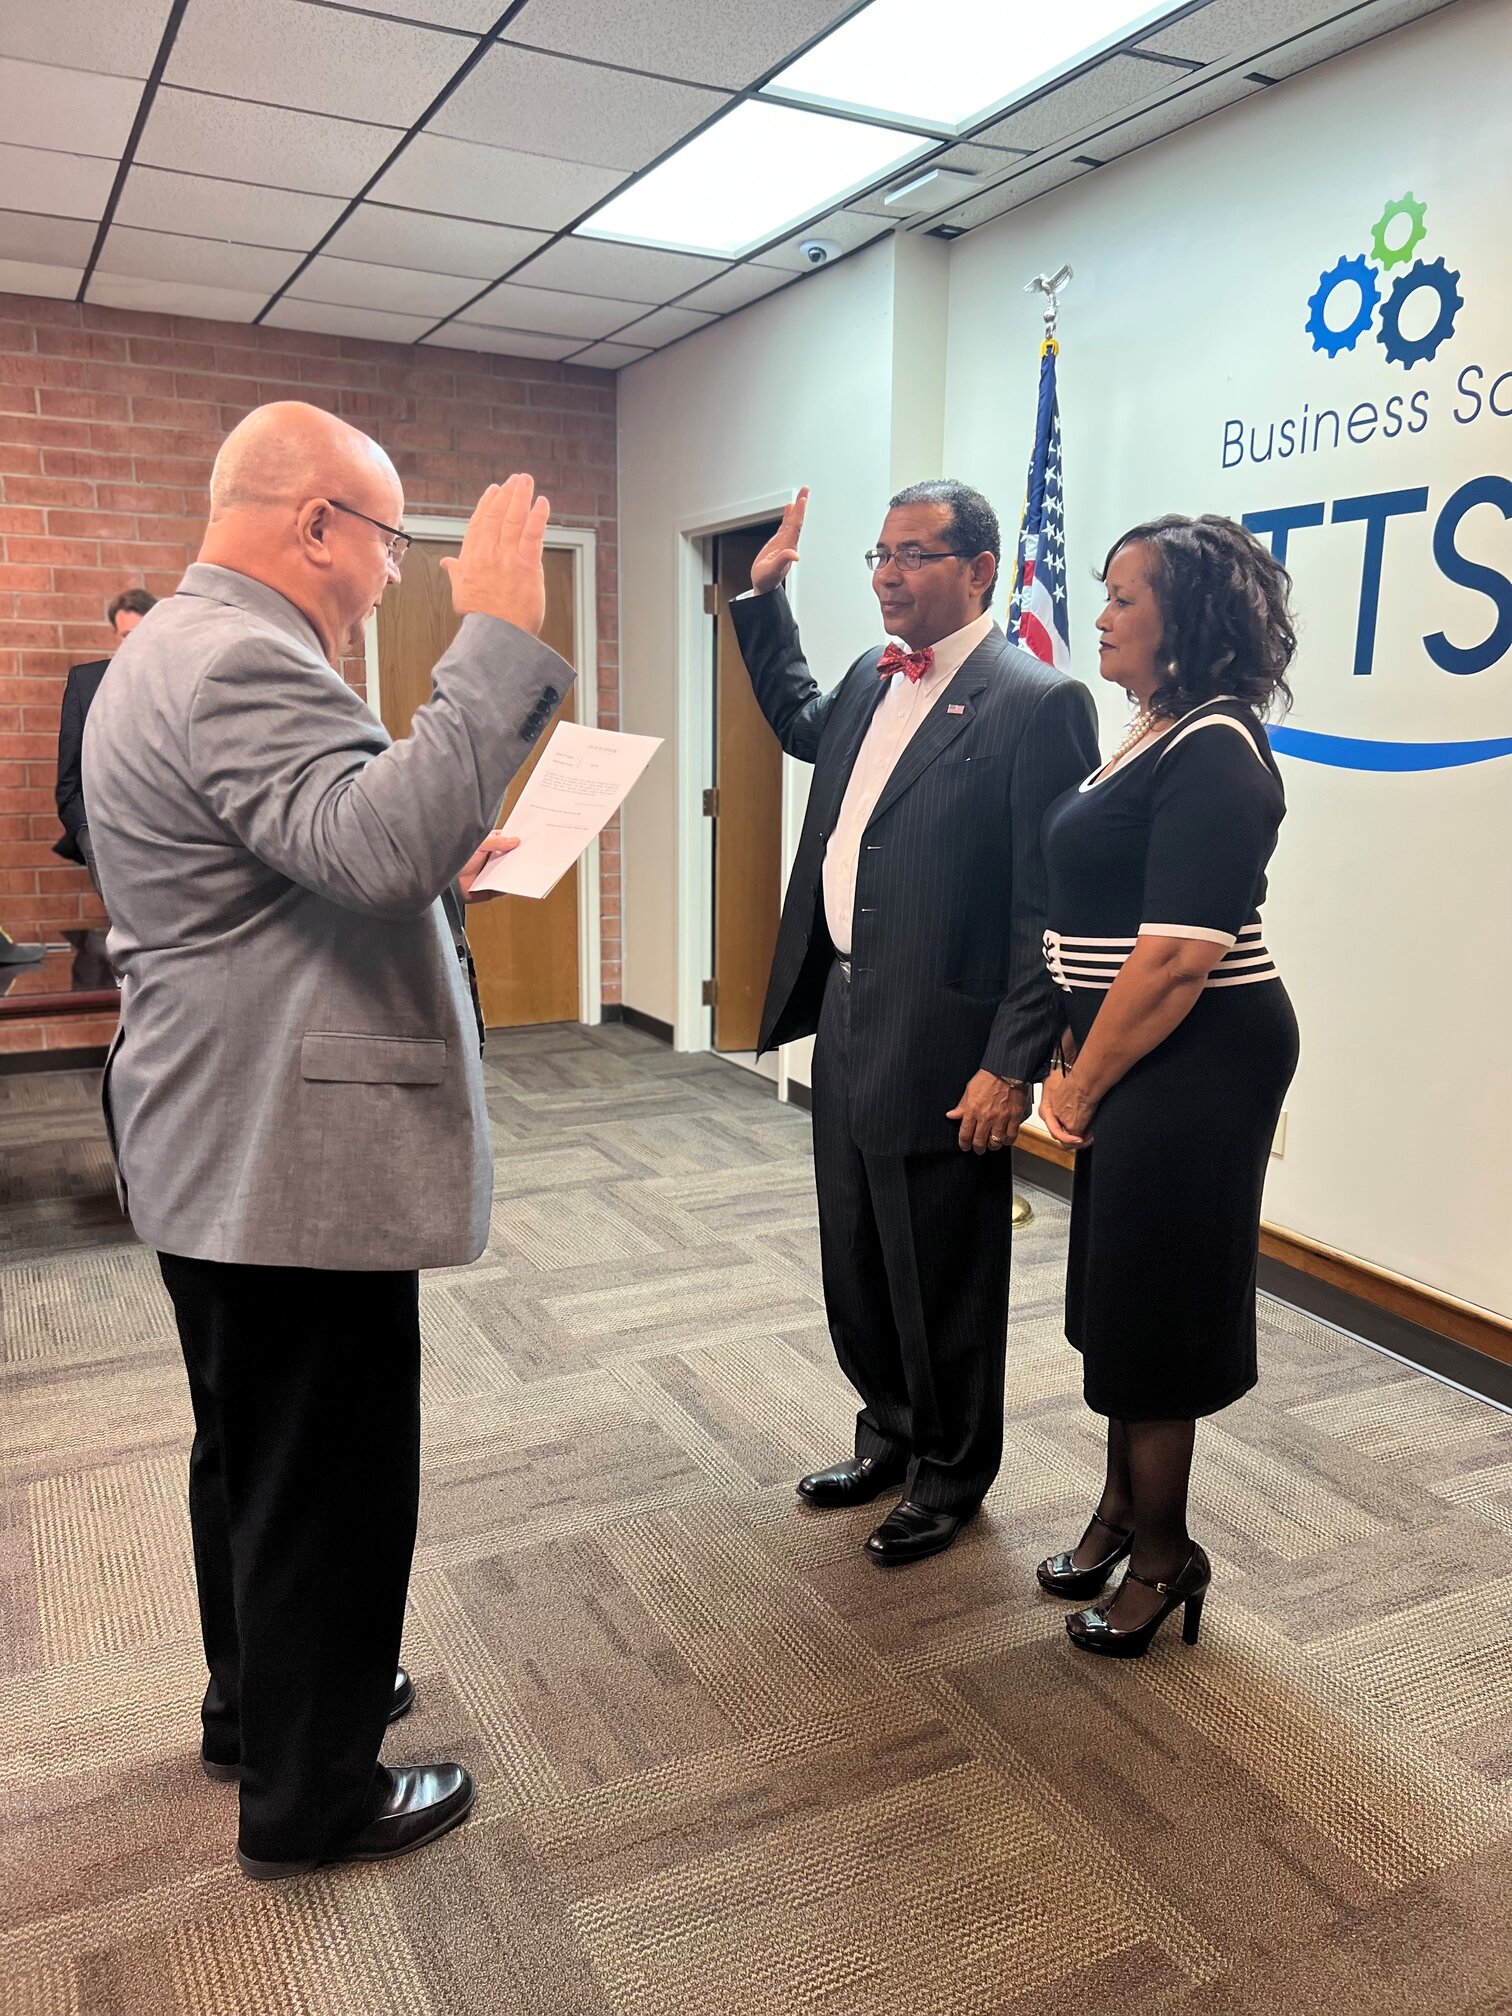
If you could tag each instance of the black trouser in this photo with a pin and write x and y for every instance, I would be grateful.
(915, 1252)
(304, 1485)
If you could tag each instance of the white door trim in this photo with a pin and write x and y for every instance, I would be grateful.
(694, 1026)
(582, 542)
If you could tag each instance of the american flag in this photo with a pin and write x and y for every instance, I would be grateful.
(1037, 616)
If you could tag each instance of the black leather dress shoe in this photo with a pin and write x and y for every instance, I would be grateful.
(856, 1482)
(424, 1802)
(404, 1700)
(912, 1533)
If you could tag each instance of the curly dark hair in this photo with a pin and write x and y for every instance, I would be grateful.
(1227, 624)
(973, 522)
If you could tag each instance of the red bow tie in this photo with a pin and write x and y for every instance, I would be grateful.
(914, 663)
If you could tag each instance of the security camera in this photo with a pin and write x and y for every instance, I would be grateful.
(819, 251)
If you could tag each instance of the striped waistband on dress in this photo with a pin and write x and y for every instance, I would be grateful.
(1093, 964)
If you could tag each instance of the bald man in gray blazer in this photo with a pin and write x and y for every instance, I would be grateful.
(295, 1098)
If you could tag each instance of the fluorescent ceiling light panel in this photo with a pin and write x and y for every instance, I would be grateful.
(754, 175)
(946, 72)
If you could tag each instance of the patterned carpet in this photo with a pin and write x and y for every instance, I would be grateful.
(727, 1766)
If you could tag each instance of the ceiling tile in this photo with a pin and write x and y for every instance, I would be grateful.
(630, 272)
(430, 244)
(118, 40)
(665, 325)
(25, 276)
(968, 158)
(476, 15)
(551, 105)
(351, 283)
(1022, 188)
(729, 46)
(847, 228)
(579, 315)
(160, 255)
(39, 105)
(324, 317)
(737, 288)
(201, 135)
(201, 207)
(62, 185)
(47, 241)
(611, 356)
(1330, 40)
(1096, 95)
(317, 59)
(502, 342)
(492, 183)
(174, 297)
(1233, 27)
(1126, 134)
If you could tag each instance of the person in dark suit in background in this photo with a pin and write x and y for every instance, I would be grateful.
(123, 615)
(911, 942)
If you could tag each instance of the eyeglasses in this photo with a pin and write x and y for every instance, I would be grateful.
(399, 542)
(909, 558)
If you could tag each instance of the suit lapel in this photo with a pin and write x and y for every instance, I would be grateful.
(940, 727)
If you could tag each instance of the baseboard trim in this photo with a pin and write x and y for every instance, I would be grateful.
(14, 1061)
(1448, 1338)
(800, 1095)
(649, 1025)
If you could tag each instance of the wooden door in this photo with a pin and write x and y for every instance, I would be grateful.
(748, 816)
(526, 953)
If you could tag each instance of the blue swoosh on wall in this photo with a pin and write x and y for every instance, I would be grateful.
(1345, 752)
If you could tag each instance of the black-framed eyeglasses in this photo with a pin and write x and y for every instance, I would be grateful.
(909, 558)
(399, 542)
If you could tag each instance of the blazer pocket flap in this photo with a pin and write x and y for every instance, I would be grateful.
(373, 1060)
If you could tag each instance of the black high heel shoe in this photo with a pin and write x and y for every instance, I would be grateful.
(1090, 1631)
(1059, 1577)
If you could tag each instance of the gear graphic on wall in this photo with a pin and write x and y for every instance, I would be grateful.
(1419, 350)
(1335, 340)
(1387, 256)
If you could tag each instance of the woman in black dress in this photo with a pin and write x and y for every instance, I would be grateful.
(1179, 1048)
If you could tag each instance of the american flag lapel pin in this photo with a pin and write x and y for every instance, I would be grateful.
(956, 709)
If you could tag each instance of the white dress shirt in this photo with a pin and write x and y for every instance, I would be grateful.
(892, 728)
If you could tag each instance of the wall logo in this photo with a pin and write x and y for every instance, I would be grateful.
(1411, 306)
(1355, 278)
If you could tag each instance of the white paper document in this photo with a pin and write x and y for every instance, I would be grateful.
(582, 778)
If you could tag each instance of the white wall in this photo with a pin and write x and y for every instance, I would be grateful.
(794, 390)
(1389, 911)
(1194, 260)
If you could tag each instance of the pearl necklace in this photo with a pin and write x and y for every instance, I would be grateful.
(1136, 732)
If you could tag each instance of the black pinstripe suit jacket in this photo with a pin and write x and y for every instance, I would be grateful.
(947, 958)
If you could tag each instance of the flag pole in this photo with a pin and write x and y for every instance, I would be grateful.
(1051, 285)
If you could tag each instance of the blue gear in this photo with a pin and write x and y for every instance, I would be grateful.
(1335, 340)
(1425, 273)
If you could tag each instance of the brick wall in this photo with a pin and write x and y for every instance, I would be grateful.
(109, 422)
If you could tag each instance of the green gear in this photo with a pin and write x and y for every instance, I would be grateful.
(1387, 256)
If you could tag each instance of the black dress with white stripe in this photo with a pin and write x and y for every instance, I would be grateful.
(1165, 1227)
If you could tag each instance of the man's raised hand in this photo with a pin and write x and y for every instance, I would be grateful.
(770, 567)
(499, 571)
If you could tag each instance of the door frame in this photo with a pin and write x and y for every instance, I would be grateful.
(694, 1026)
(582, 542)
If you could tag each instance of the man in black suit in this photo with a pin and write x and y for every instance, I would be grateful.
(123, 615)
(912, 943)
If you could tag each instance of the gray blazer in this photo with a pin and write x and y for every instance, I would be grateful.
(296, 1080)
